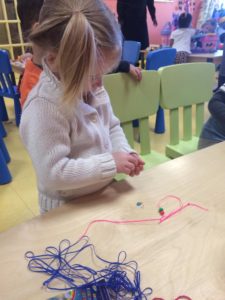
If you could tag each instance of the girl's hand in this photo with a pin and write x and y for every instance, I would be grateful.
(125, 162)
(139, 166)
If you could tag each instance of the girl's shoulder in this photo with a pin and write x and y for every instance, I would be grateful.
(177, 31)
(188, 31)
(44, 89)
(185, 31)
(192, 30)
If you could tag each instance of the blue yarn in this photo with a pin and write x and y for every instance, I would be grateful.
(60, 264)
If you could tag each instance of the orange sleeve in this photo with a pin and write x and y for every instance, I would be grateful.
(30, 78)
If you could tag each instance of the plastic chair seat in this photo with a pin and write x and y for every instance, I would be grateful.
(155, 60)
(3, 132)
(4, 151)
(185, 86)
(8, 88)
(5, 176)
(131, 51)
(8, 93)
(133, 100)
(153, 159)
(182, 148)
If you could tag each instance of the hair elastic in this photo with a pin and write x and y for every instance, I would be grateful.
(76, 11)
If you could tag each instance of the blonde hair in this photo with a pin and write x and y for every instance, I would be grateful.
(80, 32)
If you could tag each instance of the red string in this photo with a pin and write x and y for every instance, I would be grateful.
(183, 297)
(160, 220)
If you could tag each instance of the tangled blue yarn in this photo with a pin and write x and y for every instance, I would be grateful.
(60, 263)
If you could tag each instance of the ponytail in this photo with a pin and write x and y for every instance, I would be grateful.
(76, 56)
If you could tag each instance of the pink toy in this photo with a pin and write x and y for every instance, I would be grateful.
(165, 34)
(205, 43)
(210, 42)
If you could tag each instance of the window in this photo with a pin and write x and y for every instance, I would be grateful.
(11, 37)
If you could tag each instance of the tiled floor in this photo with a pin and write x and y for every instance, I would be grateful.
(18, 199)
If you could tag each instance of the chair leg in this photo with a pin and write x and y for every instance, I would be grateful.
(5, 176)
(3, 132)
(17, 107)
(160, 121)
(3, 111)
(4, 151)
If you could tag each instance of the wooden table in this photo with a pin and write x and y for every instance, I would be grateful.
(184, 255)
(215, 58)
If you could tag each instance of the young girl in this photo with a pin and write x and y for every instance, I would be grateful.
(75, 142)
(28, 12)
(180, 38)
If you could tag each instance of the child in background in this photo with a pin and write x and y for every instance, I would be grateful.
(210, 26)
(214, 129)
(75, 142)
(180, 38)
(28, 12)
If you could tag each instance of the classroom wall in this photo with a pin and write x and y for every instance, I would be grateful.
(164, 12)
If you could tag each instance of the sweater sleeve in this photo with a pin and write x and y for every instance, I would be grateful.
(123, 67)
(151, 9)
(46, 135)
(217, 105)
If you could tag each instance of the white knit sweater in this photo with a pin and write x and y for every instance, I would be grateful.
(70, 150)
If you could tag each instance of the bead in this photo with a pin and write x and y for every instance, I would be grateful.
(161, 211)
(139, 204)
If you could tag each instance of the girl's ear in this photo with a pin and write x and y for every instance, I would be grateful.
(50, 58)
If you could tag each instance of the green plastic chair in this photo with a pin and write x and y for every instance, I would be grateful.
(133, 100)
(185, 86)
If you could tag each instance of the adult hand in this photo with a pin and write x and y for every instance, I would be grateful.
(155, 22)
(135, 72)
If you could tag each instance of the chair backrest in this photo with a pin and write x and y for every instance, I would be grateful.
(131, 51)
(160, 58)
(185, 85)
(133, 100)
(7, 79)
